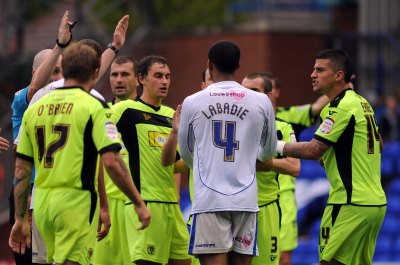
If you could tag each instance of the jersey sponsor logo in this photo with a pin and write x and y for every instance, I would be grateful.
(232, 94)
(146, 116)
(293, 138)
(246, 241)
(111, 131)
(205, 245)
(157, 139)
(327, 125)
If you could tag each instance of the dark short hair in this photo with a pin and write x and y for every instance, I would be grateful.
(146, 62)
(266, 80)
(122, 59)
(80, 61)
(225, 55)
(340, 61)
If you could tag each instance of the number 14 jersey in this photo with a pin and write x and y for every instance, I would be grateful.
(353, 162)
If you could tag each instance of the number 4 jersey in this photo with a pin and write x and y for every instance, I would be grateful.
(223, 130)
(353, 162)
(63, 133)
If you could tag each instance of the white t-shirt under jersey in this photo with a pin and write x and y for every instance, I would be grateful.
(223, 130)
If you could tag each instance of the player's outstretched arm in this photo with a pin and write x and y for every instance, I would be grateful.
(117, 42)
(120, 175)
(168, 153)
(312, 150)
(288, 165)
(43, 73)
(20, 236)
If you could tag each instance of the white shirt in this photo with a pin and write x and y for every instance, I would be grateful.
(223, 130)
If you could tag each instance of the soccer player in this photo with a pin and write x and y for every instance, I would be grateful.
(62, 134)
(168, 156)
(123, 79)
(46, 67)
(114, 248)
(223, 130)
(300, 117)
(349, 143)
(144, 125)
(269, 197)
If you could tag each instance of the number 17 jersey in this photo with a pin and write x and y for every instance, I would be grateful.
(63, 133)
(223, 130)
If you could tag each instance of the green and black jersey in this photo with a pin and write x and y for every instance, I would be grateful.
(145, 130)
(300, 117)
(286, 134)
(112, 190)
(353, 162)
(268, 182)
(63, 133)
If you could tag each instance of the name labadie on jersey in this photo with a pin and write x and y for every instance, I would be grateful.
(223, 130)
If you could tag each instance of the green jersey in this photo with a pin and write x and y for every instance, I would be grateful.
(145, 130)
(353, 161)
(112, 190)
(268, 182)
(286, 133)
(63, 133)
(300, 117)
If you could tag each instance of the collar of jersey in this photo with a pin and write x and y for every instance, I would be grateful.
(151, 106)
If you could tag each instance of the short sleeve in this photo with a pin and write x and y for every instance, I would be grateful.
(333, 125)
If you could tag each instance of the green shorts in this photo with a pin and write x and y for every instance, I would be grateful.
(268, 235)
(289, 232)
(67, 220)
(113, 249)
(166, 237)
(348, 233)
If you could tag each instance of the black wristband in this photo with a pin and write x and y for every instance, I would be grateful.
(62, 46)
(112, 47)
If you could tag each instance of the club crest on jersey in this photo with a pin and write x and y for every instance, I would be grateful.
(146, 116)
(327, 125)
(151, 249)
(111, 131)
(90, 253)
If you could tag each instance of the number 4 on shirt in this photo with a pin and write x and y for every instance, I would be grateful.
(228, 143)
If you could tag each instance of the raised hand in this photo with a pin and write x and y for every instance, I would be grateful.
(120, 32)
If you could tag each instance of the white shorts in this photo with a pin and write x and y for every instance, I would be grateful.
(39, 250)
(221, 232)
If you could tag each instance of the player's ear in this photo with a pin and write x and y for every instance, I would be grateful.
(339, 76)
